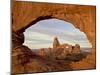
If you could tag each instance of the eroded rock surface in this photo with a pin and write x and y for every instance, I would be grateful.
(25, 14)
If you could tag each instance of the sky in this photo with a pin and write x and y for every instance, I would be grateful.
(41, 34)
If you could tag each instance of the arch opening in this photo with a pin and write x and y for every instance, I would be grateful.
(42, 33)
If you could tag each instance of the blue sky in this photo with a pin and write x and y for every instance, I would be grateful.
(41, 34)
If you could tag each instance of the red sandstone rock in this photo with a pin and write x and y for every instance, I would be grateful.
(56, 43)
(42, 52)
(76, 49)
(82, 17)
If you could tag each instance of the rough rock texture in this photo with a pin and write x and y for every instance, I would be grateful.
(83, 17)
(56, 43)
(76, 49)
(42, 52)
(25, 14)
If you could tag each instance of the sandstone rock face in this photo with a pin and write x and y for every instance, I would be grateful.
(61, 51)
(21, 55)
(42, 52)
(70, 49)
(17, 39)
(56, 43)
(25, 14)
(76, 49)
(82, 17)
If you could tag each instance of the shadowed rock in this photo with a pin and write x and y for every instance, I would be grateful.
(56, 43)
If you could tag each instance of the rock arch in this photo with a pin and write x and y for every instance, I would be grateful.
(25, 14)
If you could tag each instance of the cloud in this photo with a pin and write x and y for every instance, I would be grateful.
(43, 31)
(60, 33)
(37, 41)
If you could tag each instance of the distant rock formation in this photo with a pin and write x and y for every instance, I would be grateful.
(61, 51)
(43, 11)
(56, 43)
(42, 52)
(76, 49)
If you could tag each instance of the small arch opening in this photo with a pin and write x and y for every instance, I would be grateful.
(41, 34)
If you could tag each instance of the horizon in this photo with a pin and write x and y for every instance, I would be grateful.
(41, 34)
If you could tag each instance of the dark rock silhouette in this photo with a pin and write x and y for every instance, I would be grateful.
(56, 43)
